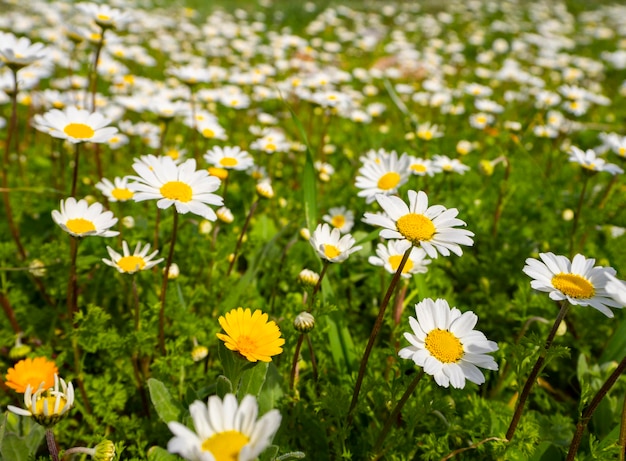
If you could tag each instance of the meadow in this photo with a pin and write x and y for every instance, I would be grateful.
(312, 230)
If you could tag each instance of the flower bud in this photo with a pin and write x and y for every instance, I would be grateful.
(199, 353)
(308, 277)
(104, 451)
(304, 322)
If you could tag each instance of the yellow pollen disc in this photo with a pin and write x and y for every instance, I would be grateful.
(80, 226)
(79, 131)
(225, 446)
(338, 221)
(173, 153)
(218, 172)
(38, 410)
(331, 251)
(129, 79)
(426, 135)
(58, 105)
(395, 261)
(103, 17)
(622, 151)
(228, 162)
(131, 263)
(208, 133)
(444, 346)
(176, 190)
(418, 167)
(573, 286)
(246, 345)
(270, 146)
(388, 181)
(122, 194)
(416, 227)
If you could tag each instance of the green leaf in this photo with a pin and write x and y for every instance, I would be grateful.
(271, 391)
(14, 448)
(166, 407)
(616, 346)
(341, 344)
(291, 455)
(269, 454)
(224, 386)
(252, 380)
(160, 454)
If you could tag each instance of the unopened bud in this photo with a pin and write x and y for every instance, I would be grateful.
(104, 451)
(308, 277)
(199, 353)
(304, 322)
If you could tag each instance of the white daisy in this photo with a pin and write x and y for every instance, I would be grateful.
(432, 228)
(229, 157)
(340, 218)
(190, 190)
(590, 161)
(17, 52)
(382, 175)
(445, 344)
(47, 406)
(616, 288)
(330, 245)
(76, 125)
(80, 219)
(389, 256)
(104, 15)
(224, 430)
(116, 191)
(449, 165)
(578, 281)
(129, 263)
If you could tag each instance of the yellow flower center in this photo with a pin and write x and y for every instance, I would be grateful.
(208, 133)
(331, 251)
(131, 263)
(176, 190)
(122, 194)
(388, 181)
(270, 147)
(622, 151)
(246, 345)
(103, 17)
(416, 227)
(338, 221)
(173, 153)
(79, 131)
(80, 226)
(38, 410)
(225, 446)
(426, 135)
(220, 173)
(573, 286)
(227, 162)
(395, 261)
(444, 346)
(418, 167)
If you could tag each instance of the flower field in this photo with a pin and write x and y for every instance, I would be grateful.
(360, 231)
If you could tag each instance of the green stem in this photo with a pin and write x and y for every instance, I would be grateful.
(72, 284)
(243, 232)
(579, 208)
(52, 445)
(75, 173)
(170, 256)
(535, 372)
(374, 334)
(622, 433)
(586, 416)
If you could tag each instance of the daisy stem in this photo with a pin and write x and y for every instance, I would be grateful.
(318, 285)
(579, 208)
(166, 273)
(313, 361)
(15, 233)
(622, 433)
(10, 313)
(94, 70)
(135, 303)
(607, 191)
(243, 232)
(194, 129)
(164, 126)
(73, 450)
(375, 330)
(394, 413)
(72, 286)
(52, 445)
(75, 173)
(535, 372)
(586, 416)
(294, 363)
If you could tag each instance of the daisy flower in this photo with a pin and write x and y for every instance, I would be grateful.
(80, 219)
(31, 372)
(423, 167)
(129, 263)
(116, 191)
(590, 161)
(190, 190)
(103, 15)
(19, 52)
(578, 281)
(224, 430)
(616, 288)
(444, 343)
(389, 256)
(340, 218)
(449, 165)
(432, 228)
(76, 125)
(47, 405)
(330, 245)
(382, 175)
(427, 131)
(251, 334)
(230, 158)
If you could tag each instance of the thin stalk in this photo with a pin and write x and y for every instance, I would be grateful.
(170, 256)
(394, 413)
(374, 334)
(75, 173)
(72, 284)
(10, 313)
(194, 128)
(318, 285)
(164, 127)
(135, 303)
(535, 372)
(94, 88)
(622, 433)
(243, 232)
(52, 445)
(607, 192)
(313, 361)
(294, 362)
(586, 416)
(579, 208)
(498, 211)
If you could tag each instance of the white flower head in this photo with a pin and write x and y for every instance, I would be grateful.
(129, 263)
(330, 245)
(76, 125)
(80, 219)
(390, 255)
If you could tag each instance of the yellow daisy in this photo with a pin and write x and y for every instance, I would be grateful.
(31, 371)
(251, 334)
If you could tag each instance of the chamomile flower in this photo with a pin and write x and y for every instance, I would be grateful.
(449, 165)
(444, 343)
(116, 191)
(188, 189)
(591, 162)
(31, 372)
(390, 256)
(423, 167)
(578, 281)
(47, 405)
(427, 131)
(382, 175)
(330, 245)
(340, 218)
(104, 15)
(432, 228)
(129, 263)
(80, 219)
(224, 430)
(251, 334)
(19, 52)
(230, 158)
(76, 125)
